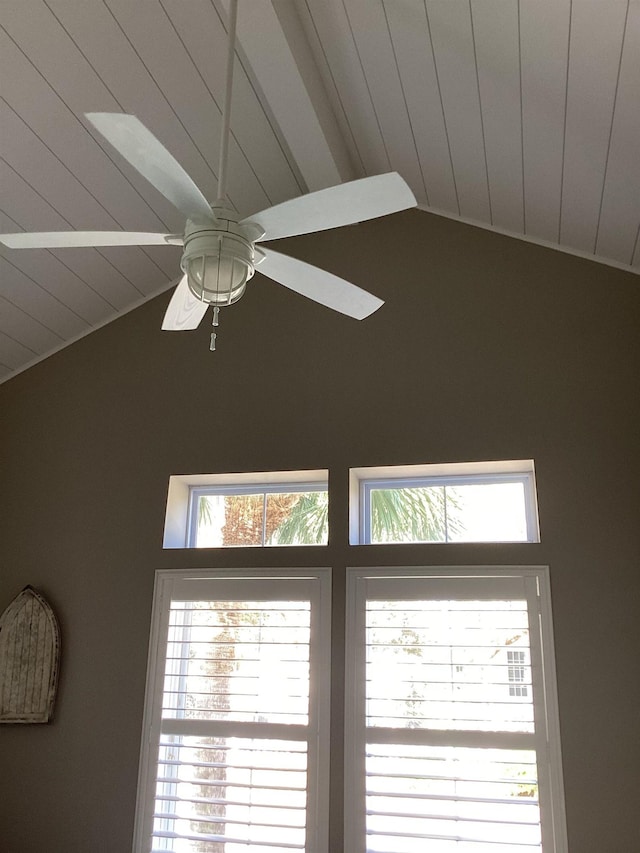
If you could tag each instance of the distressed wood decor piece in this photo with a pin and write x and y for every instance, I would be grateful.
(29, 659)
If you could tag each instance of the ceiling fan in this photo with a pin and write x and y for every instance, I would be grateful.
(220, 252)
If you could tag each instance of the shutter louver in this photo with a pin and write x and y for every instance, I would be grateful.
(233, 752)
(475, 800)
(446, 665)
(448, 745)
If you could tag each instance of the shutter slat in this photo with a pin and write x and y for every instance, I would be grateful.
(232, 762)
(439, 670)
(221, 801)
(221, 839)
(498, 801)
(436, 816)
(230, 823)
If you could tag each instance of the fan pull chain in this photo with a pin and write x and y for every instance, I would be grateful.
(215, 323)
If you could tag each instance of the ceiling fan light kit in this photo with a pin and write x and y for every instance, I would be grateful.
(219, 254)
(218, 258)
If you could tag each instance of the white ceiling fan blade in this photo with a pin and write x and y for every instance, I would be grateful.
(333, 207)
(81, 239)
(319, 285)
(145, 153)
(184, 311)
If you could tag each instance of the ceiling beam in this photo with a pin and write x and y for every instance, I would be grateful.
(271, 37)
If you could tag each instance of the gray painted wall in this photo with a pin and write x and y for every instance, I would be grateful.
(488, 348)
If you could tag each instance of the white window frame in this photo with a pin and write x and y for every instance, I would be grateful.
(314, 584)
(533, 585)
(364, 480)
(178, 515)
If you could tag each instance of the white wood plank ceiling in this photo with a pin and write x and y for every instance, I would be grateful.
(518, 115)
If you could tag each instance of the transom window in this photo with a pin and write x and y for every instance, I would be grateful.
(247, 509)
(260, 514)
(474, 502)
(450, 503)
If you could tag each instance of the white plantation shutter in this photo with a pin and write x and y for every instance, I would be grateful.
(236, 716)
(447, 741)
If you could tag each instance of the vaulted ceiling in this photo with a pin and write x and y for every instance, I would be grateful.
(522, 116)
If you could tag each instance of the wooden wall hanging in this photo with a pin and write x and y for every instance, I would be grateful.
(29, 659)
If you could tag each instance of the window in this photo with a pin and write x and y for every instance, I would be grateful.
(451, 727)
(451, 738)
(471, 502)
(247, 509)
(261, 514)
(451, 741)
(236, 724)
(516, 673)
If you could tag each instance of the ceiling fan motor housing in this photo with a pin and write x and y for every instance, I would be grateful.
(218, 258)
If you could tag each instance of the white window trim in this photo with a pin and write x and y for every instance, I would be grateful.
(547, 729)
(363, 480)
(319, 696)
(177, 520)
